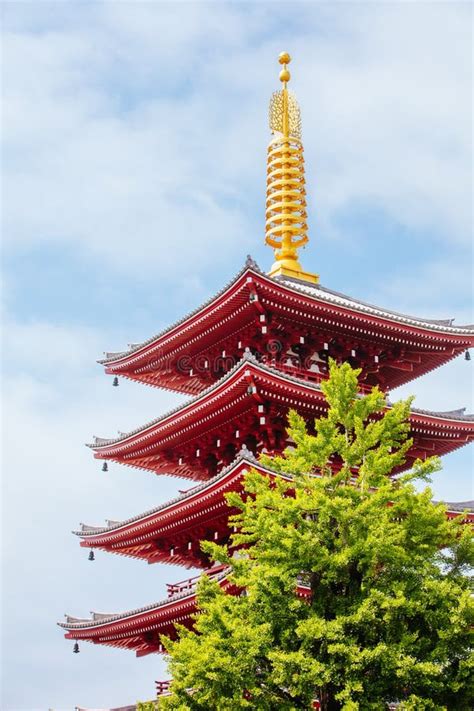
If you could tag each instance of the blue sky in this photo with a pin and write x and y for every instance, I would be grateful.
(133, 187)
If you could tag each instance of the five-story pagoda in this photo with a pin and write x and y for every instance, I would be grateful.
(252, 352)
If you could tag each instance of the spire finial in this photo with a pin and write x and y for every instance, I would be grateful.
(285, 76)
(286, 228)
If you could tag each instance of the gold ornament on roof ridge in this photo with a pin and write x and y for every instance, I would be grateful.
(286, 227)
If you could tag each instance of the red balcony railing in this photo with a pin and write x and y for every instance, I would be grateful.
(162, 687)
(309, 375)
(190, 584)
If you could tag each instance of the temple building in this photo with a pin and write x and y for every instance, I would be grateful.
(255, 350)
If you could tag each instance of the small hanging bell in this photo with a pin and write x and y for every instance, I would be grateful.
(467, 355)
(75, 649)
(91, 555)
(105, 467)
(115, 382)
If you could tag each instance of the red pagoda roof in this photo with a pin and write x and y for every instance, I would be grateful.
(170, 533)
(267, 314)
(141, 629)
(249, 406)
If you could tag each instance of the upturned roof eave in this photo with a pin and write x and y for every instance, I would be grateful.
(104, 621)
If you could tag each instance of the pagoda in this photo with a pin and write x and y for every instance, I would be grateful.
(252, 352)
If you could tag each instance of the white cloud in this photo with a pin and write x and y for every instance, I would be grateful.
(392, 119)
(142, 138)
(51, 347)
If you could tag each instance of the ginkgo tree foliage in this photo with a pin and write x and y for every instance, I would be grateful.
(389, 616)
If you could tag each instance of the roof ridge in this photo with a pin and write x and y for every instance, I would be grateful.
(250, 264)
(458, 414)
(244, 455)
(91, 622)
(305, 287)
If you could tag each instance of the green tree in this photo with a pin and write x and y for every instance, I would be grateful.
(390, 613)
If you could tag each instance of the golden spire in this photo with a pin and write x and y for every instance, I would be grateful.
(285, 226)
